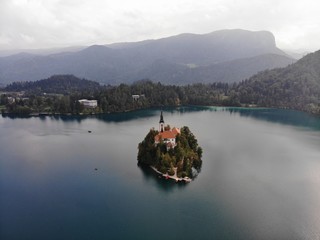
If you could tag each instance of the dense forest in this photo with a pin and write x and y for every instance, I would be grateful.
(110, 98)
(62, 84)
(294, 87)
(185, 157)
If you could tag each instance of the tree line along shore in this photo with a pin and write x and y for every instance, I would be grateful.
(296, 87)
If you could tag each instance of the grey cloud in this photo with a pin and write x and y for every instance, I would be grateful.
(56, 23)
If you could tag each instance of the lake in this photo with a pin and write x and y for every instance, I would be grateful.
(260, 177)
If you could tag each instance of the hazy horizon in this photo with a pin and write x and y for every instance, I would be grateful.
(39, 24)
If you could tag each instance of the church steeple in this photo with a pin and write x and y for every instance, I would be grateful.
(161, 123)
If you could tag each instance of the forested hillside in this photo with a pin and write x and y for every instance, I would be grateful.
(227, 72)
(59, 84)
(296, 86)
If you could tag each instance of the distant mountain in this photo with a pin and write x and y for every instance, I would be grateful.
(296, 54)
(228, 72)
(296, 86)
(204, 49)
(197, 54)
(41, 51)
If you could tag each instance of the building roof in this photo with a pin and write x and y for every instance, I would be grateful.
(86, 100)
(165, 135)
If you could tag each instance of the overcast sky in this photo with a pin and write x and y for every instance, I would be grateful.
(58, 23)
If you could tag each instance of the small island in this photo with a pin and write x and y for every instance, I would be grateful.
(172, 152)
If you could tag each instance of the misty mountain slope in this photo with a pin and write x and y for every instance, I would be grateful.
(231, 71)
(126, 62)
(94, 61)
(41, 51)
(204, 49)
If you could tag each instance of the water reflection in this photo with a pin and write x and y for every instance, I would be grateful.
(259, 180)
(107, 117)
(287, 117)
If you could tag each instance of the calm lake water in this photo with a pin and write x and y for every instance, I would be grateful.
(260, 177)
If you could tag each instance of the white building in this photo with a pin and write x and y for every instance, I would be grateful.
(135, 97)
(89, 103)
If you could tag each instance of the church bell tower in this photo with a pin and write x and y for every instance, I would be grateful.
(161, 123)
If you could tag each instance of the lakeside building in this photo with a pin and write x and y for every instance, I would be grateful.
(166, 134)
(136, 97)
(89, 103)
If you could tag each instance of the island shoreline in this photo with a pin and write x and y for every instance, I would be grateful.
(174, 177)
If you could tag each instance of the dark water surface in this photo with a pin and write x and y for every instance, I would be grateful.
(260, 177)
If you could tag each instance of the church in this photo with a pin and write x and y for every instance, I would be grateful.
(166, 134)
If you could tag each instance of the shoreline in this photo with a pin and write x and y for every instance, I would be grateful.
(174, 177)
(39, 114)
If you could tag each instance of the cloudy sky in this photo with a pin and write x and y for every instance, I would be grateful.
(29, 24)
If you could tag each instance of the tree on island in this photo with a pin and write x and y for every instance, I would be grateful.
(182, 159)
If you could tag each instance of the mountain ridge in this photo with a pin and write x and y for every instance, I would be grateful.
(122, 63)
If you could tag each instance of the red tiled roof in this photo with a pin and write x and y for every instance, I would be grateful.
(164, 135)
(167, 134)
